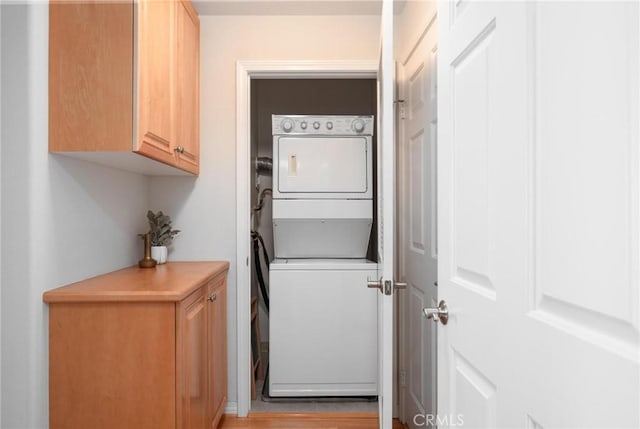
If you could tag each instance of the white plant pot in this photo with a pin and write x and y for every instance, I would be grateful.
(159, 253)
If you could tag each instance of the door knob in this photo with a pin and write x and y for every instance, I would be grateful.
(179, 149)
(438, 314)
(375, 284)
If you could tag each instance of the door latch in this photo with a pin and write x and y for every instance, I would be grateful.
(385, 286)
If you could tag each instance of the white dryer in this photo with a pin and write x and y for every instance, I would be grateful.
(323, 186)
(323, 318)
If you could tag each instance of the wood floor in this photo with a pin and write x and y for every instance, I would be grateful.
(304, 421)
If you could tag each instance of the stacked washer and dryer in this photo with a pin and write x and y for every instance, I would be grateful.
(323, 318)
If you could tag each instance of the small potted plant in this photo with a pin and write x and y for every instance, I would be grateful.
(161, 235)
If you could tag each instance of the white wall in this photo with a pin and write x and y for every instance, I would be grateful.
(63, 220)
(205, 208)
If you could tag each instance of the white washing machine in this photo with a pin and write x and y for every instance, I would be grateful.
(322, 328)
(322, 318)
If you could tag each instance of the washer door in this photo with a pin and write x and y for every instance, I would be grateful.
(323, 167)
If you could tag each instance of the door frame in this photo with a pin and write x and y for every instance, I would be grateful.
(245, 72)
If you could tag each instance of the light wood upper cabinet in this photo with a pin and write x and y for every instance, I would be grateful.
(156, 76)
(124, 82)
(188, 89)
(90, 77)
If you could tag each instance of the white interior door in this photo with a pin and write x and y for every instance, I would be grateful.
(538, 159)
(386, 184)
(418, 228)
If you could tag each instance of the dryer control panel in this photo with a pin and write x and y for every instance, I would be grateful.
(322, 125)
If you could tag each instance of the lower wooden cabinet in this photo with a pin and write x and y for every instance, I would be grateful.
(217, 351)
(202, 339)
(130, 350)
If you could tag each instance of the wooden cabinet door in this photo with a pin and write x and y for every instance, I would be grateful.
(112, 365)
(187, 142)
(217, 349)
(90, 79)
(193, 388)
(155, 71)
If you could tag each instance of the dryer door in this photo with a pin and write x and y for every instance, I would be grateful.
(322, 167)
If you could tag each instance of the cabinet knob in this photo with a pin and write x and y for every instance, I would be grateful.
(179, 149)
(212, 297)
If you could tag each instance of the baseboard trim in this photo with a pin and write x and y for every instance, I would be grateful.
(285, 415)
(231, 408)
(306, 420)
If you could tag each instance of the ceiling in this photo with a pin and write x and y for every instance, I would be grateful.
(288, 7)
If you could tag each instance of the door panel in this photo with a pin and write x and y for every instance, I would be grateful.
(194, 354)
(218, 352)
(538, 214)
(470, 77)
(188, 86)
(584, 205)
(155, 70)
(386, 202)
(474, 396)
(481, 211)
(418, 226)
(562, 133)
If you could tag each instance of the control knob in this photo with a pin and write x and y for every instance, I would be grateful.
(287, 125)
(303, 125)
(329, 125)
(316, 125)
(358, 125)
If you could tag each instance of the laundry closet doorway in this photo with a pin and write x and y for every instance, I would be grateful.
(310, 330)
(264, 89)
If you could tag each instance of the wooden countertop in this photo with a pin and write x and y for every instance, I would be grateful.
(172, 281)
